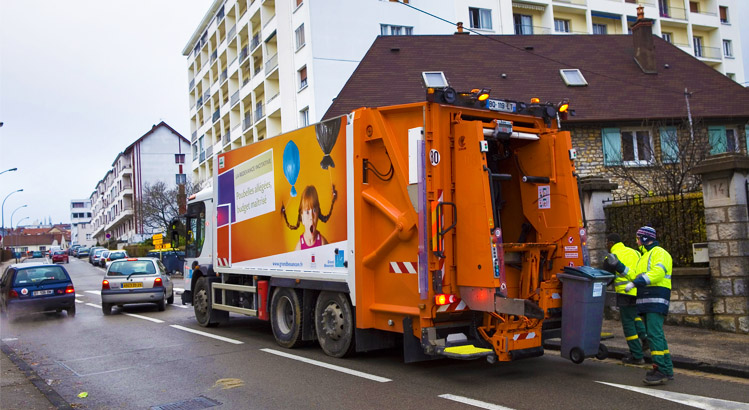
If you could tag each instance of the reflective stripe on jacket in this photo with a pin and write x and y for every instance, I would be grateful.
(653, 281)
(629, 258)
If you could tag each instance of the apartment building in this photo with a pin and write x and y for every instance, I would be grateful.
(158, 155)
(80, 219)
(257, 68)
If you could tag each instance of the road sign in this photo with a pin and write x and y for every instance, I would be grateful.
(158, 246)
(158, 241)
(158, 236)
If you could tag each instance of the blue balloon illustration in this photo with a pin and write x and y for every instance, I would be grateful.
(291, 164)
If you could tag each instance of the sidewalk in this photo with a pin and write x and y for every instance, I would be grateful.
(691, 348)
(22, 388)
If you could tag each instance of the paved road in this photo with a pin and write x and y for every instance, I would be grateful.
(141, 358)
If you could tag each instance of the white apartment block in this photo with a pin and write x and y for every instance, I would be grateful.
(159, 155)
(81, 230)
(257, 68)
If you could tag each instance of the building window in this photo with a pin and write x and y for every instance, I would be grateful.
(304, 117)
(573, 77)
(88, 236)
(722, 139)
(303, 78)
(694, 7)
(179, 158)
(390, 30)
(629, 146)
(600, 29)
(697, 46)
(663, 6)
(723, 14)
(300, 37)
(78, 205)
(561, 26)
(727, 48)
(668, 37)
(480, 18)
(194, 151)
(523, 24)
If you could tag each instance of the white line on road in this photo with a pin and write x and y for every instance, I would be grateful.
(78, 295)
(180, 306)
(473, 402)
(687, 399)
(180, 290)
(328, 366)
(143, 317)
(78, 301)
(95, 292)
(93, 305)
(198, 332)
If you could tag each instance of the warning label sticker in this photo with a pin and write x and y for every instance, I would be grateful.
(571, 255)
(544, 198)
(597, 289)
(570, 248)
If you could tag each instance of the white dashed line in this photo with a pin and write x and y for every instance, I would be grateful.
(95, 292)
(180, 290)
(78, 301)
(143, 317)
(93, 305)
(473, 402)
(180, 306)
(78, 295)
(198, 332)
(328, 366)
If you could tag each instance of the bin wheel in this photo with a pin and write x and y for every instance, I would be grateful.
(603, 352)
(576, 355)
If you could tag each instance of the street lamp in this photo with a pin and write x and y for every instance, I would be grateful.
(12, 169)
(13, 213)
(2, 209)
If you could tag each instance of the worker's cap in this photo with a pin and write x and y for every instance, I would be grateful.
(646, 234)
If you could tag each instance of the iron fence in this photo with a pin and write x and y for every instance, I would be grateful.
(679, 221)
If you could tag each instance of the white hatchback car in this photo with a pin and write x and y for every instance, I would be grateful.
(136, 280)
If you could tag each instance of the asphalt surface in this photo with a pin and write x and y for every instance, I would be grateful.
(137, 358)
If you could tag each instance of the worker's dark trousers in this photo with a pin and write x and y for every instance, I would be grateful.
(658, 346)
(634, 330)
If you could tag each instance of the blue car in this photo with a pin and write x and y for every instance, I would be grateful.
(36, 287)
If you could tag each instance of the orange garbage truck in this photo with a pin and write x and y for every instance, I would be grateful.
(439, 226)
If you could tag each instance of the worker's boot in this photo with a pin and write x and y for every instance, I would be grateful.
(655, 378)
(629, 359)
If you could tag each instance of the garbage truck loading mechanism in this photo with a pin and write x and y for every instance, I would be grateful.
(438, 225)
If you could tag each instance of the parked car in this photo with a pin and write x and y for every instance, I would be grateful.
(136, 280)
(36, 287)
(60, 256)
(82, 252)
(37, 254)
(113, 256)
(102, 257)
(95, 255)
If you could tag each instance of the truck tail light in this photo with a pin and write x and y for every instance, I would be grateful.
(157, 283)
(262, 294)
(13, 294)
(443, 299)
(105, 285)
(70, 289)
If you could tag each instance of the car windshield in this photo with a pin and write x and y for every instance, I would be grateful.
(117, 255)
(127, 268)
(82, 249)
(98, 252)
(59, 253)
(34, 276)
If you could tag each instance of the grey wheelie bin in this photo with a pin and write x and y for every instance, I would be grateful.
(583, 297)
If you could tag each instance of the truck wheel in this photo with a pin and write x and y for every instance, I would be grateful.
(201, 302)
(334, 324)
(286, 317)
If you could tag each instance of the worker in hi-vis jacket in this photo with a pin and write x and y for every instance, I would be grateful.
(632, 324)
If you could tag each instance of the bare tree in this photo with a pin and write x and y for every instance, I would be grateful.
(159, 205)
(661, 161)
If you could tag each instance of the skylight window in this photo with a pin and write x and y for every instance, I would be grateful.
(573, 77)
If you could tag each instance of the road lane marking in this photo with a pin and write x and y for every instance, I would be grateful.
(683, 398)
(143, 317)
(78, 295)
(180, 290)
(180, 306)
(206, 334)
(95, 292)
(78, 301)
(328, 366)
(473, 402)
(93, 305)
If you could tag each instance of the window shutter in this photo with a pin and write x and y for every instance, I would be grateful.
(612, 146)
(717, 138)
(669, 145)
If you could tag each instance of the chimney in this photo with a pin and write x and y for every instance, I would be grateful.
(642, 35)
(460, 29)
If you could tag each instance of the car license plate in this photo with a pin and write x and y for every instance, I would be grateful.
(43, 292)
(500, 105)
(132, 285)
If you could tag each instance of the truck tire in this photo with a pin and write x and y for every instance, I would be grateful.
(201, 303)
(286, 317)
(334, 324)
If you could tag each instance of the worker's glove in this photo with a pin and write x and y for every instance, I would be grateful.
(629, 286)
(612, 264)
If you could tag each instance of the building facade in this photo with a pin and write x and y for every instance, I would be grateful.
(158, 155)
(80, 220)
(259, 68)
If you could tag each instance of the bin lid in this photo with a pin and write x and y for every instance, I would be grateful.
(588, 272)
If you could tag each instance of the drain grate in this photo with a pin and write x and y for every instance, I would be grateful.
(197, 403)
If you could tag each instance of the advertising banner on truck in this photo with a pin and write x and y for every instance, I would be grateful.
(281, 202)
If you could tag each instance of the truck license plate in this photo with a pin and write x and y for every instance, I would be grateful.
(500, 105)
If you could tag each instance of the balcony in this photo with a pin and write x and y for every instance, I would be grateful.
(194, 137)
(214, 56)
(206, 95)
(192, 84)
(216, 115)
(247, 121)
(259, 112)
(125, 213)
(200, 102)
(255, 41)
(673, 13)
(234, 99)
(202, 156)
(271, 64)
(243, 54)
(575, 2)
(521, 29)
(220, 14)
(712, 53)
(223, 77)
(209, 151)
(232, 32)
(226, 138)
(126, 169)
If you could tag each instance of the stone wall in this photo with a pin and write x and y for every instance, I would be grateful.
(691, 298)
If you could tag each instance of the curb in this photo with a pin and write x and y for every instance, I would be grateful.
(679, 362)
(34, 378)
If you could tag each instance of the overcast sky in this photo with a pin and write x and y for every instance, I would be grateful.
(79, 82)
